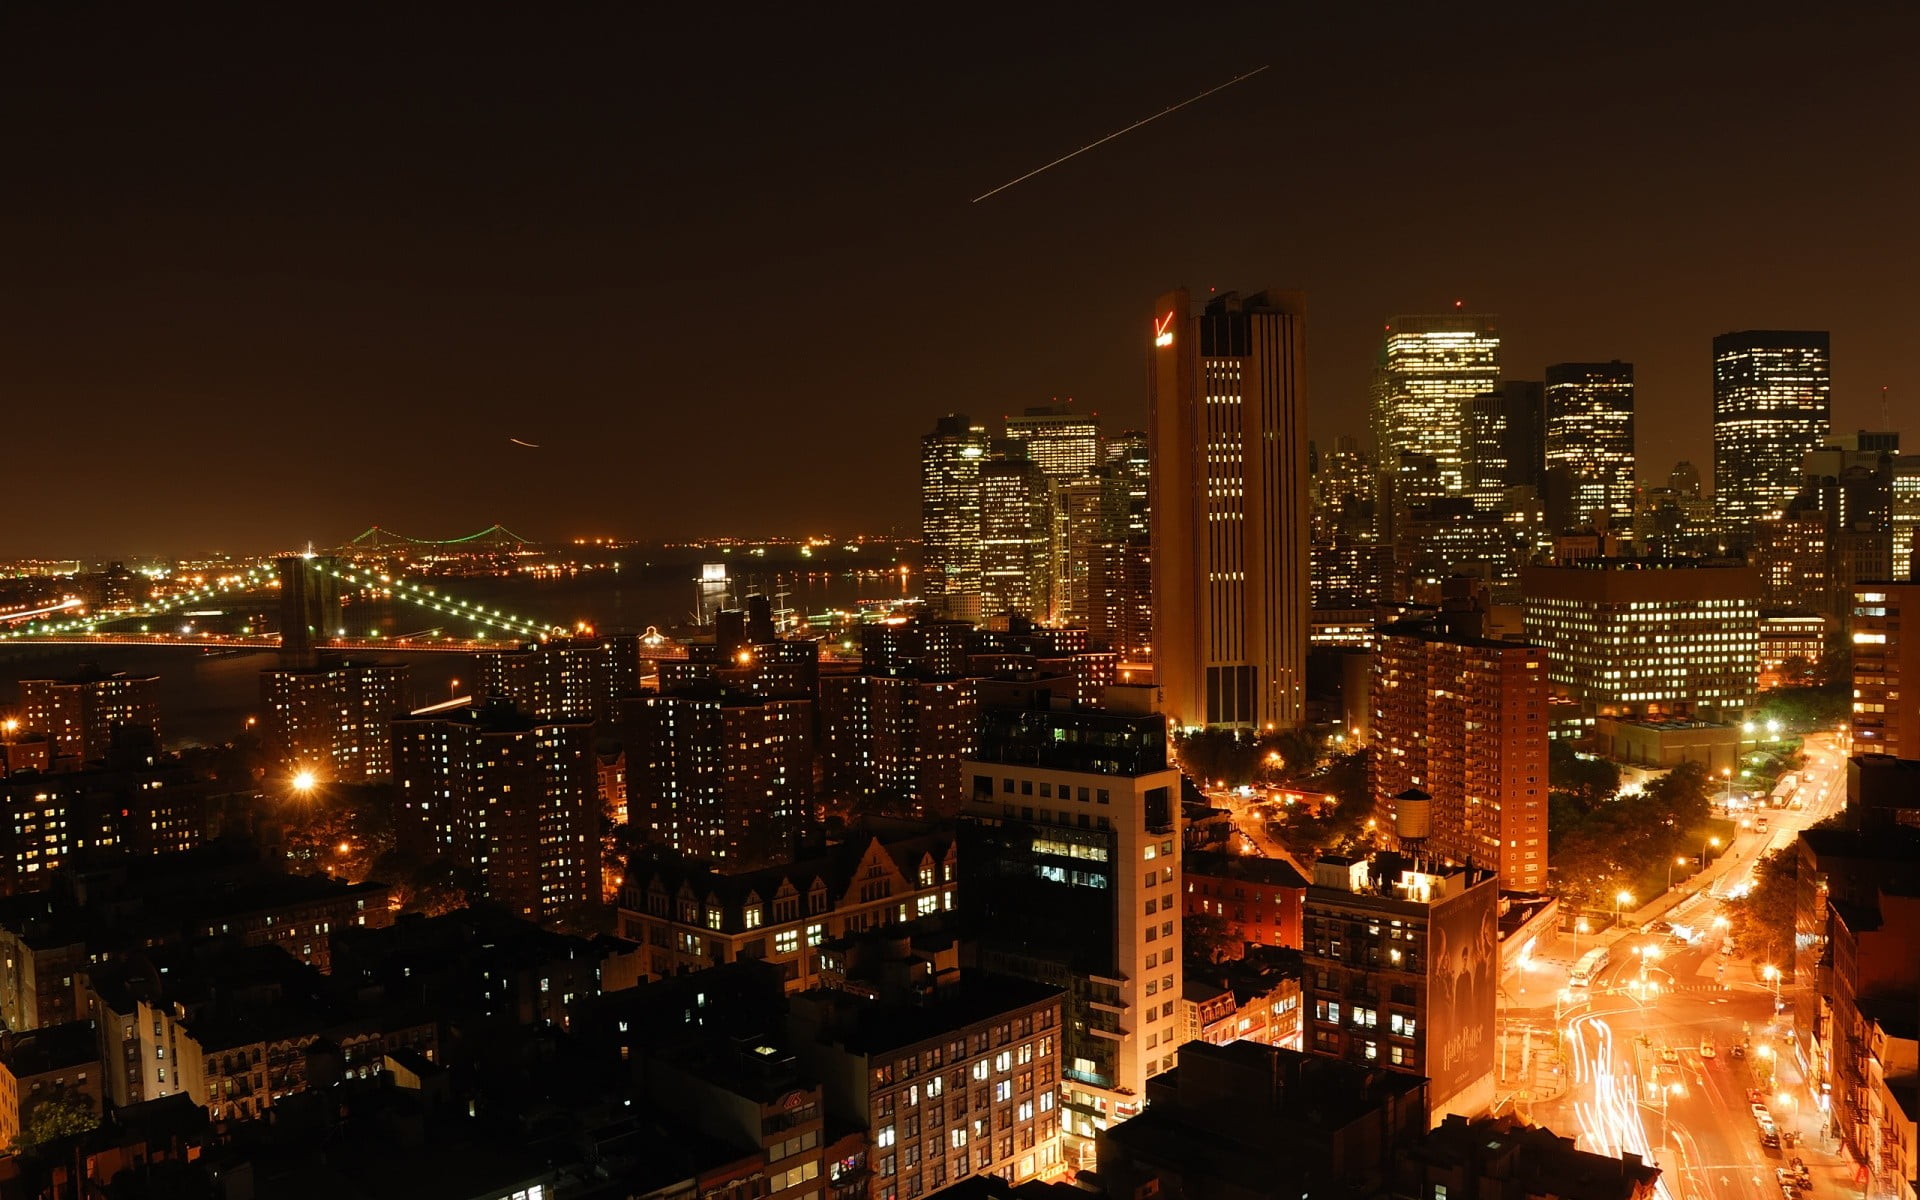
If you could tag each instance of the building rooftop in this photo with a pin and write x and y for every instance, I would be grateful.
(49, 1048)
(865, 1026)
(1531, 1161)
(1216, 864)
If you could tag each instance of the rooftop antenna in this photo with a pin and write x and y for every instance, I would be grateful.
(1883, 407)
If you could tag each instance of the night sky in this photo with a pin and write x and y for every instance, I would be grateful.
(264, 280)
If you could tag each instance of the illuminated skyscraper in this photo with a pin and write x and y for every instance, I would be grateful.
(1906, 514)
(1772, 404)
(1016, 540)
(1227, 406)
(1129, 455)
(1590, 433)
(1431, 369)
(1061, 442)
(950, 460)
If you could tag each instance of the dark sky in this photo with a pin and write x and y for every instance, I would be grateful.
(269, 277)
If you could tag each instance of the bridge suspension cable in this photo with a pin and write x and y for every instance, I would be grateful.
(251, 579)
(405, 589)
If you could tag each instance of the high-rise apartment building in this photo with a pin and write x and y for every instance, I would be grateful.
(1016, 540)
(567, 678)
(1589, 431)
(1061, 442)
(1464, 719)
(1772, 405)
(717, 774)
(89, 713)
(950, 460)
(1401, 960)
(903, 725)
(1431, 369)
(1630, 636)
(1070, 875)
(1886, 715)
(511, 798)
(1227, 402)
(333, 719)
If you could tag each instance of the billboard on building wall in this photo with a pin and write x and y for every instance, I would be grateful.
(1463, 979)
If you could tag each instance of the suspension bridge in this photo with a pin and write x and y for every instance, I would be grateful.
(307, 592)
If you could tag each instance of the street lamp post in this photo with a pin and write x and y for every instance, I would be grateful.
(1713, 843)
(1678, 862)
(1620, 898)
(1726, 805)
(1773, 976)
(1580, 926)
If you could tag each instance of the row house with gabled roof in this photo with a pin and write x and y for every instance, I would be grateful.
(689, 916)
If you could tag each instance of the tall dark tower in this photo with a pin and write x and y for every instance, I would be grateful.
(1227, 407)
(309, 606)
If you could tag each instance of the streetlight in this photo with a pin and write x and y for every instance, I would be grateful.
(304, 781)
(1726, 773)
(1580, 926)
(1619, 898)
(1678, 862)
(1713, 843)
(1772, 974)
(453, 688)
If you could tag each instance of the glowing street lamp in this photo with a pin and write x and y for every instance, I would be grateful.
(1620, 898)
(1772, 974)
(1726, 773)
(1711, 843)
(304, 782)
(1678, 862)
(1580, 926)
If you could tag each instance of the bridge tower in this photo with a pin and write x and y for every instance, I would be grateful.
(309, 607)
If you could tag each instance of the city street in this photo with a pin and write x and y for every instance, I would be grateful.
(1667, 1051)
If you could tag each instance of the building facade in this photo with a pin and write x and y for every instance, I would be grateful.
(715, 774)
(690, 917)
(1772, 405)
(1402, 963)
(1589, 432)
(1463, 719)
(1635, 636)
(1886, 714)
(572, 679)
(950, 461)
(332, 719)
(1070, 844)
(1431, 368)
(511, 798)
(1227, 405)
(86, 715)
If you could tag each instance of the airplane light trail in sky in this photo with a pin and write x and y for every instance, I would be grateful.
(529, 445)
(1129, 129)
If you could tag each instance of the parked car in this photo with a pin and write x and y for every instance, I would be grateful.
(1738, 1050)
(1801, 1175)
(1787, 1181)
(1706, 1048)
(1758, 1109)
(1669, 1055)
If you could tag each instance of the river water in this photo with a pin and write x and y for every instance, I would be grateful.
(206, 698)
